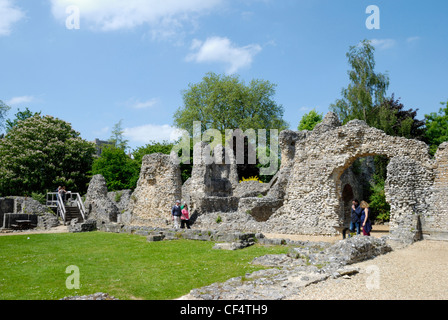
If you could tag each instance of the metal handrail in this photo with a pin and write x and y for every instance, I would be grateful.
(61, 207)
(53, 199)
(80, 205)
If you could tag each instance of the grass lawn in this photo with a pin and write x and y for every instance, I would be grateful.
(33, 267)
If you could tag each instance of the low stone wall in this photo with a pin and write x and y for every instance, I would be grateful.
(240, 239)
(24, 208)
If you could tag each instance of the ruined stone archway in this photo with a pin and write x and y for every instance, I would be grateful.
(312, 197)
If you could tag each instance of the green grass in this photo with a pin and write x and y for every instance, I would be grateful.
(33, 267)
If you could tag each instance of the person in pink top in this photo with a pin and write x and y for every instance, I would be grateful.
(185, 218)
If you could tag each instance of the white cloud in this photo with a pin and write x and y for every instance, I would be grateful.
(137, 104)
(20, 100)
(150, 132)
(222, 50)
(383, 44)
(412, 39)
(165, 17)
(9, 14)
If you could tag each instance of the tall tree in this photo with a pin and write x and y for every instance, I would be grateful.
(366, 88)
(224, 102)
(40, 153)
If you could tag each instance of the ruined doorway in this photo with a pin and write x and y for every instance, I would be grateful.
(347, 197)
(364, 180)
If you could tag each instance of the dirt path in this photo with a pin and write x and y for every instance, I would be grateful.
(60, 229)
(378, 231)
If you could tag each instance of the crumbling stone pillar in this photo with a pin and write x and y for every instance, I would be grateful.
(158, 187)
(438, 223)
(408, 191)
(97, 204)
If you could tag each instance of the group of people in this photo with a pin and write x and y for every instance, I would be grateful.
(180, 216)
(61, 192)
(360, 218)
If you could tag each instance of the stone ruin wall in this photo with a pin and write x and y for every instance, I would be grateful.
(158, 187)
(439, 220)
(306, 194)
(314, 191)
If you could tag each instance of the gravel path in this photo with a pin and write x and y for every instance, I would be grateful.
(417, 272)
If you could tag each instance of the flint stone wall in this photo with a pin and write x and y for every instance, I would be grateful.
(158, 187)
(97, 203)
(120, 198)
(314, 188)
(213, 180)
(311, 192)
(437, 224)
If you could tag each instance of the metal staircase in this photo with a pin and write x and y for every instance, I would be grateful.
(71, 208)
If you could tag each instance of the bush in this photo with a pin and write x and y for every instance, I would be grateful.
(378, 204)
(42, 198)
(120, 171)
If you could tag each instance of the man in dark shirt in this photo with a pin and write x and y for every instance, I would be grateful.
(176, 212)
(356, 217)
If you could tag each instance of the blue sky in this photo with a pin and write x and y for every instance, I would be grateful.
(130, 60)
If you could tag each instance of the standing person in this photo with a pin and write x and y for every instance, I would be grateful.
(176, 212)
(185, 218)
(355, 217)
(57, 192)
(62, 192)
(366, 224)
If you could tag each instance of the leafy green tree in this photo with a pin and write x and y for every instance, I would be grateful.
(120, 171)
(366, 89)
(224, 102)
(20, 116)
(393, 119)
(437, 127)
(40, 153)
(309, 120)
